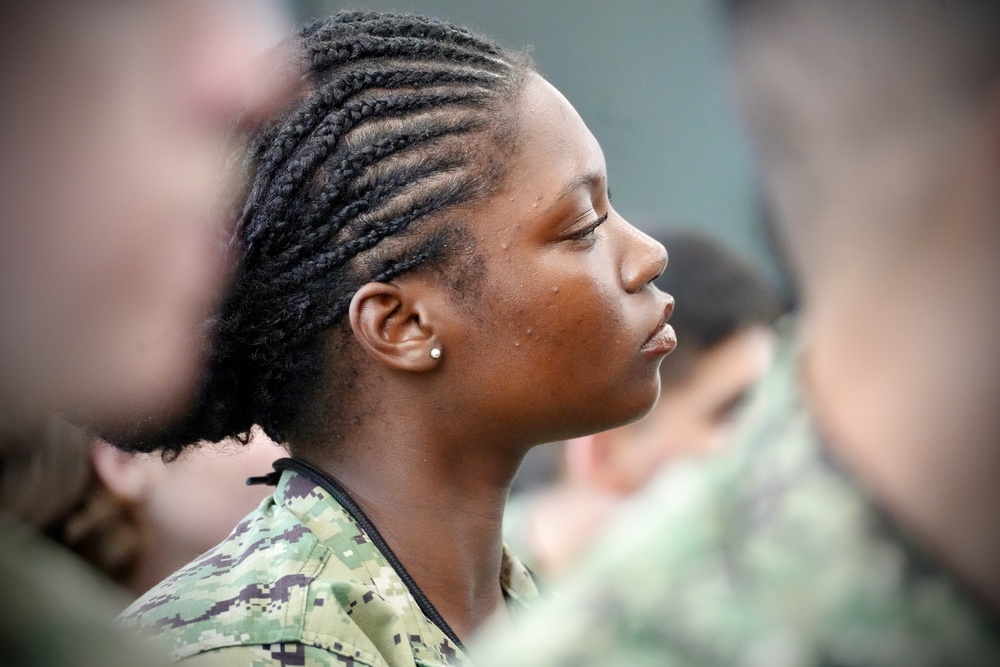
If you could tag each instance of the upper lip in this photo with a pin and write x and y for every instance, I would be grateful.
(668, 310)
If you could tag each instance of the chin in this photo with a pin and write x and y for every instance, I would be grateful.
(623, 407)
(644, 400)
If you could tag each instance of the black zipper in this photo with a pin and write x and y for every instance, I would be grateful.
(325, 482)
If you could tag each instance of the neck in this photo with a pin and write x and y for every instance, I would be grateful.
(902, 372)
(437, 498)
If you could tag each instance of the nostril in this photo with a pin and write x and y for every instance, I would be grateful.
(668, 310)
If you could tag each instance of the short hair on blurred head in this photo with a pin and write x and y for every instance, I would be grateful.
(854, 103)
(717, 292)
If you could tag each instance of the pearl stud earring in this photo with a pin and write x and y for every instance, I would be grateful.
(435, 353)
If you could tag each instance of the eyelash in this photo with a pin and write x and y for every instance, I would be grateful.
(591, 228)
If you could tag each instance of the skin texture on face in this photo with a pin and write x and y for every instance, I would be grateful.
(556, 345)
(113, 136)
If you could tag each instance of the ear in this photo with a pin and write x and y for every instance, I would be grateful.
(393, 323)
(126, 476)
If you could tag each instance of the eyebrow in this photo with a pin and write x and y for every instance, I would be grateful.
(589, 180)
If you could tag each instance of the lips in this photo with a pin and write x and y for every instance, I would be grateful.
(663, 339)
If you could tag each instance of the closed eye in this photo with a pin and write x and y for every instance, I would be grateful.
(591, 228)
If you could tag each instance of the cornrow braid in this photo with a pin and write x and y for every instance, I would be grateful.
(306, 120)
(404, 121)
(288, 184)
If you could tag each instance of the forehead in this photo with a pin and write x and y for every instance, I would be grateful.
(556, 152)
(554, 137)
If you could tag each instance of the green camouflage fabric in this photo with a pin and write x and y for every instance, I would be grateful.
(298, 582)
(769, 555)
(55, 611)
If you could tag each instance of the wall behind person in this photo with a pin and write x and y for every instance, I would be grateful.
(647, 76)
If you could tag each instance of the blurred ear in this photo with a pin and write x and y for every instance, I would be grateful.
(393, 323)
(608, 461)
(126, 476)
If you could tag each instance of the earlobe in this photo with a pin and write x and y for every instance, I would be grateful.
(393, 325)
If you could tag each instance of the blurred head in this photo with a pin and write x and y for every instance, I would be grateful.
(724, 321)
(875, 125)
(429, 191)
(184, 507)
(133, 517)
(113, 127)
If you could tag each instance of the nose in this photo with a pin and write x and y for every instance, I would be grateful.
(643, 259)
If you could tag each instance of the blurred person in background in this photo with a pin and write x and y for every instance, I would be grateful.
(179, 509)
(726, 309)
(114, 123)
(855, 520)
(135, 517)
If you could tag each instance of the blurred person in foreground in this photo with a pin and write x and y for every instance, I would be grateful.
(113, 125)
(727, 309)
(854, 522)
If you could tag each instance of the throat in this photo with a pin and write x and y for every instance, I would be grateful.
(442, 536)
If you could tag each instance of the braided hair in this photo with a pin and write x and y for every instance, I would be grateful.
(403, 121)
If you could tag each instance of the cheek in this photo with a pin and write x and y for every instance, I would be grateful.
(563, 342)
(580, 317)
(575, 346)
(559, 346)
(113, 257)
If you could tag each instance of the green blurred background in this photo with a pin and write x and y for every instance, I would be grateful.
(648, 77)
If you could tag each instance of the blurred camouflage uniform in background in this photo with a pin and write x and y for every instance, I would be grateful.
(770, 556)
(56, 611)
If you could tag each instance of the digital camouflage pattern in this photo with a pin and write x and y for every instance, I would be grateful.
(770, 555)
(299, 583)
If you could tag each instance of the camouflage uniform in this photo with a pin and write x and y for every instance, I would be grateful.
(769, 555)
(300, 582)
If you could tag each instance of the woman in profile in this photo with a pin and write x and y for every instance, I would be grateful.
(433, 281)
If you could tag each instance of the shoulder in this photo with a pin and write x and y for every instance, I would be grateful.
(271, 582)
(55, 610)
(299, 574)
